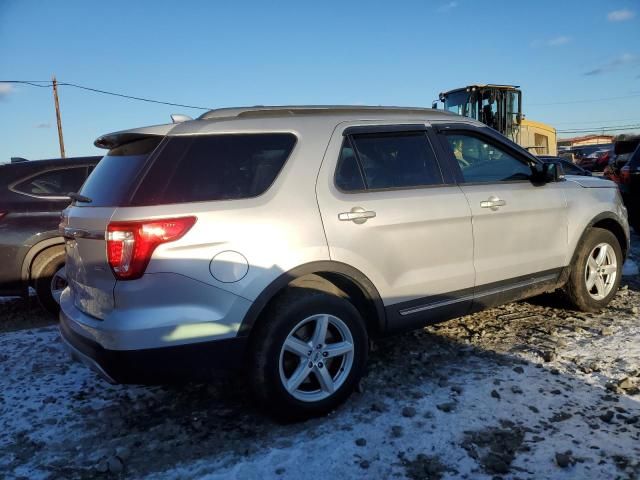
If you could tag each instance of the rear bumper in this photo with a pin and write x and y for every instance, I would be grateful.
(164, 328)
(195, 361)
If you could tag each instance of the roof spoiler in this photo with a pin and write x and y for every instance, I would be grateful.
(18, 160)
(116, 139)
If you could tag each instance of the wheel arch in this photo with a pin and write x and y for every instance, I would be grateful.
(607, 221)
(33, 253)
(335, 275)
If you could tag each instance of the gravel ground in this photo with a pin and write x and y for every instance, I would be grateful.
(527, 390)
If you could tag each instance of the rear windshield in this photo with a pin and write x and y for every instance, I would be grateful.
(110, 182)
(214, 167)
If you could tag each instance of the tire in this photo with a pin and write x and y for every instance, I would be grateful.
(46, 271)
(301, 311)
(583, 293)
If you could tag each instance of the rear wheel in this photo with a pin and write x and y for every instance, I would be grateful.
(49, 278)
(309, 352)
(596, 272)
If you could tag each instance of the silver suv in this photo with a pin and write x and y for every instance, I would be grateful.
(277, 241)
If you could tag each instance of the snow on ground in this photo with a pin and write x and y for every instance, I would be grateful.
(527, 390)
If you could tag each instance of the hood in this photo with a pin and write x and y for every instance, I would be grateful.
(591, 182)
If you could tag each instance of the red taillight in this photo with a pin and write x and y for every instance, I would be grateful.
(131, 244)
(2, 214)
(625, 174)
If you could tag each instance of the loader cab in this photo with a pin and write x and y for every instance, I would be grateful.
(498, 106)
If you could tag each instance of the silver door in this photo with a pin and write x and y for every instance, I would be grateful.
(411, 242)
(519, 228)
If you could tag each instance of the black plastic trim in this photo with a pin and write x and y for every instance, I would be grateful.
(438, 308)
(361, 280)
(194, 361)
(390, 128)
(607, 216)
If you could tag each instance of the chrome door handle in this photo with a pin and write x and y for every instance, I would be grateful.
(356, 215)
(493, 203)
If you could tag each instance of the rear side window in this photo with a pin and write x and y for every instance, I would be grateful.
(391, 160)
(53, 183)
(214, 167)
(348, 173)
(110, 182)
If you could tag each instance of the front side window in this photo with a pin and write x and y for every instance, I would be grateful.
(395, 160)
(53, 183)
(482, 162)
(214, 167)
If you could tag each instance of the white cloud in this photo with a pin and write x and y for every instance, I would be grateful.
(626, 59)
(552, 42)
(6, 89)
(447, 6)
(620, 15)
(557, 41)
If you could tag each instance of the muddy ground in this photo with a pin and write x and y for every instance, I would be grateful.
(528, 390)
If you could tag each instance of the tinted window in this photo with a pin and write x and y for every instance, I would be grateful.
(110, 182)
(635, 158)
(397, 160)
(214, 167)
(481, 161)
(571, 169)
(54, 183)
(348, 175)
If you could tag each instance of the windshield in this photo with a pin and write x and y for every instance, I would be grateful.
(460, 102)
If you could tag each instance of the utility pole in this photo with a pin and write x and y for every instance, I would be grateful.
(55, 99)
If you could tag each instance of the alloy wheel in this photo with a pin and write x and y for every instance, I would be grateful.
(601, 271)
(316, 357)
(58, 283)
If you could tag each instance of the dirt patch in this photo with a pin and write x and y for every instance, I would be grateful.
(18, 313)
(495, 448)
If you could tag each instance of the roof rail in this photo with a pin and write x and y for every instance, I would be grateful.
(300, 109)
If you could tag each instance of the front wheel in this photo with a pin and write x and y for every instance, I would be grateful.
(309, 352)
(596, 271)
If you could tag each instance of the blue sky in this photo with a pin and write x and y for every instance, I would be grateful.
(245, 53)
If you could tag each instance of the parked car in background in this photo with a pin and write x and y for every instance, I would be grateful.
(32, 196)
(596, 161)
(277, 240)
(568, 167)
(630, 188)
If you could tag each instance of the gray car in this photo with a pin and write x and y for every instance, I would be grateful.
(277, 241)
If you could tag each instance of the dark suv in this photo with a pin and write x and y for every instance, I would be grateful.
(630, 188)
(32, 195)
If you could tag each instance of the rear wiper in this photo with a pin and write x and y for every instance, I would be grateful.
(79, 198)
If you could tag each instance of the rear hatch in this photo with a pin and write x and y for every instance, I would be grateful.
(90, 278)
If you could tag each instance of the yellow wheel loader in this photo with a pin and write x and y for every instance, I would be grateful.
(500, 107)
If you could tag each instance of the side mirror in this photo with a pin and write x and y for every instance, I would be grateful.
(546, 172)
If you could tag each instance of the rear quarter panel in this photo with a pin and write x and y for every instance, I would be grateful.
(274, 232)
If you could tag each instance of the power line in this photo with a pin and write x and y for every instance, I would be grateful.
(602, 129)
(590, 100)
(597, 121)
(48, 83)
